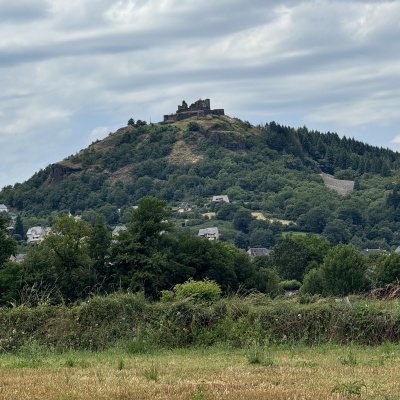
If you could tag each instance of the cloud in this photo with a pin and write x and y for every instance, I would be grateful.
(71, 71)
(23, 11)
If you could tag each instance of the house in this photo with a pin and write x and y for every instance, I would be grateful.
(367, 252)
(18, 258)
(36, 234)
(258, 251)
(184, 207)
(118, 229)
(220, 199)
(209, 233)
(3, 208)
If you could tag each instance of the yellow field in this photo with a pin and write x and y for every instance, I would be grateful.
(323, 372)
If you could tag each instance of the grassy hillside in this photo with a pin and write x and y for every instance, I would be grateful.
(272, 169)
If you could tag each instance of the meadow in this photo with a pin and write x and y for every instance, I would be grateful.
(257, 372)
(123, 346)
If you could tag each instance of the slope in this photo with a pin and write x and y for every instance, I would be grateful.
(271, 169)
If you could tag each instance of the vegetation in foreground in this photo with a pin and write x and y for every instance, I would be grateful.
(256, 372)
(237, 322)
(193, 344)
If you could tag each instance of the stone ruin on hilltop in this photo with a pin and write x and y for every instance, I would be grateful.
(197, 109)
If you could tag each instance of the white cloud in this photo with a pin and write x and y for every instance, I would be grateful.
(71, 67)
(99, 133)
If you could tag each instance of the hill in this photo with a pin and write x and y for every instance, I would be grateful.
(272, 169)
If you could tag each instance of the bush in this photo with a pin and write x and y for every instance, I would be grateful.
(193, 127)
(312, 283)
(205, 290)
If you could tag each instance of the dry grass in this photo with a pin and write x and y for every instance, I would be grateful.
(182, 154)
(259, 215)
(295, 373)
(209, 214)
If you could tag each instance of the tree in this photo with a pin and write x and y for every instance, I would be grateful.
(62, 261)
(242, 220)
(10, 282)
(314, 220)
(289, 256)
(344, 271)
(317, 248)
(312, 283)
(8, 245)
(99, 250)
(262, 238)
(337, 232)
(388, 269)
(19, 227)
(241, 241)
(140, 256)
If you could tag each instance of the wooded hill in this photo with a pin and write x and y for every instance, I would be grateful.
(272, 170)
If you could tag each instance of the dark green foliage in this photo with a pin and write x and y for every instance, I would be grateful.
(139, 262)
(138, 326)
(242, 220)
(11, 275)
(344, 271)
(313, 282)
(270, 168)
(19, 227)
(289, 256)
(388, 269)
(62, 262)
(8, 245)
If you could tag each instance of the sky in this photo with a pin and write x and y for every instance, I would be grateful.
(72, 71)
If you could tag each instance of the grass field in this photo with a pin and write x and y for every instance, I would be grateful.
(277, 372)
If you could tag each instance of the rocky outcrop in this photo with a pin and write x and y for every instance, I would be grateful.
(60, 172)
(340, 186)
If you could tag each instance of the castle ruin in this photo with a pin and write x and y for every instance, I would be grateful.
(197, 109)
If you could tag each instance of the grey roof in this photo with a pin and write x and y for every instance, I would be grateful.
(208, 231)
(119, 228)
(367, 252)
(35, 230)
(3, 207)
(222, 197)
(258, 251)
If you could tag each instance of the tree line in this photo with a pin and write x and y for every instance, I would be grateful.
(78, 259)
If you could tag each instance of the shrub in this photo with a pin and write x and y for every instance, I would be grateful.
(312, 283)
(205, 290)
(193, 127)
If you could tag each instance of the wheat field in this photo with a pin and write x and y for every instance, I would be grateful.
(288, 372)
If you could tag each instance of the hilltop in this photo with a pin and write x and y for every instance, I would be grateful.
(273, 170)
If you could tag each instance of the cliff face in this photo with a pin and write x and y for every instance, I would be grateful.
(60, 172)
